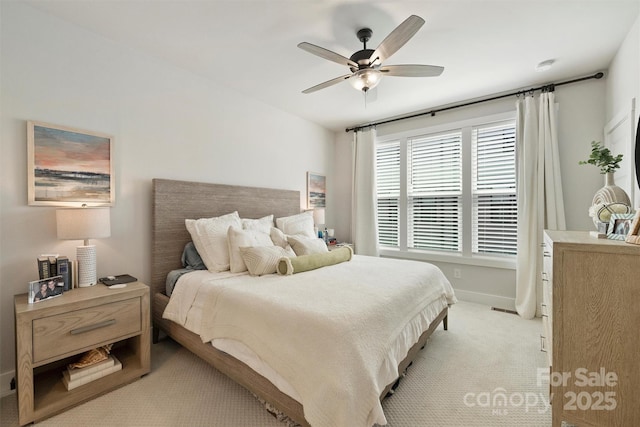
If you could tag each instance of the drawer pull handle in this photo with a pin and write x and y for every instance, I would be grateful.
(92, 327)
(546, 254)
(543, 341)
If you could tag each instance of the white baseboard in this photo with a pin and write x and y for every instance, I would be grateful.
(487, 299)
(5, 383)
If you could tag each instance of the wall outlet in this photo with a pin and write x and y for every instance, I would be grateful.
(457, 273)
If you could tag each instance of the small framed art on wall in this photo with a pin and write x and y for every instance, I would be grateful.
(316, 190)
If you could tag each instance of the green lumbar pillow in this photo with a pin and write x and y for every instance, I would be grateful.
(311, 262)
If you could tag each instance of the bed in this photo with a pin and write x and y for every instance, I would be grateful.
(175, 201)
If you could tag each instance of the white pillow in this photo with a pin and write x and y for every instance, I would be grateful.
(307, 246)
(301, 223)
(237, 238)
(209, 235)
(263, 259)
(263, 224)
(278, 238)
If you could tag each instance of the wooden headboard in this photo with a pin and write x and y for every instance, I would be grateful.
(175, 201)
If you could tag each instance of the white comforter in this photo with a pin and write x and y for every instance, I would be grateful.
(327, 332)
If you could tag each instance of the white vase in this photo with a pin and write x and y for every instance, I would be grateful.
(610, 193)
(609, 199)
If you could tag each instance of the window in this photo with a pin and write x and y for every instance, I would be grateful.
(449, 191)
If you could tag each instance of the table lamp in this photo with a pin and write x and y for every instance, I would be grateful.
(318, 219)
(84, 224)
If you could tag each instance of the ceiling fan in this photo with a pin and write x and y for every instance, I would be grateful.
(366, 64)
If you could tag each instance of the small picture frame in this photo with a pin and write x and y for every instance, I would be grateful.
(634, 233)
(44, 289)
(619, 226)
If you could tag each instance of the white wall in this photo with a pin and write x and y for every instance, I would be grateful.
(581, 118)
(167, 123)
(623, 84)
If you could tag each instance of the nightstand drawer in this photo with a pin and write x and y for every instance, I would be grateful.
(58, 335)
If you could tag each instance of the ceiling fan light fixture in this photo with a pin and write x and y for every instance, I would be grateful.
(366, 79)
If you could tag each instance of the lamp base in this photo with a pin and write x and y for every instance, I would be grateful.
(86, 256)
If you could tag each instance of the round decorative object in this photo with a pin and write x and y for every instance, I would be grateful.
(638, 153)
(604, 213)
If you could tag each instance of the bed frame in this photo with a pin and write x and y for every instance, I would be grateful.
(175, 201)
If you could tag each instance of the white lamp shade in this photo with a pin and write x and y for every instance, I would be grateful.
(318, 216)
(83, 224)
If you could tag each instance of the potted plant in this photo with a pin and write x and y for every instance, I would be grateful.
(602, 158)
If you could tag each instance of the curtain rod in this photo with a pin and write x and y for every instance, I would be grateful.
(548, 87)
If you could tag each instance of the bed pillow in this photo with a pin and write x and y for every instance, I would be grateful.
(263, 224)
(237, 238)
(302, 263)
(301, 224)
(279, 238)
(209, 235)
(306, 246)
(191, 258)
(263, 259)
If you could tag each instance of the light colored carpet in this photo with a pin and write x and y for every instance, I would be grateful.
(453, 382)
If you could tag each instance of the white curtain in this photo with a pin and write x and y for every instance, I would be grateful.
(540, 200)
(364, 224)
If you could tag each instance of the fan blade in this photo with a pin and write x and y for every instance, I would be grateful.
(327, 54)
(411, 70)
(396, 39)
(327, 83)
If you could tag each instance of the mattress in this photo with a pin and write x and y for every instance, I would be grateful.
(188, 306)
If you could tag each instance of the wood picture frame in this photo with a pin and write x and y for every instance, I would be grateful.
(619, 226)
(316, 190)
(69, 167)
(634, 233)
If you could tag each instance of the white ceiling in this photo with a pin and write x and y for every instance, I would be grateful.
(486, 47)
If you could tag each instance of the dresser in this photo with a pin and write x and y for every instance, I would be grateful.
(591, 328)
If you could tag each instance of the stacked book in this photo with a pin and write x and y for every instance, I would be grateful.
(76, 377)
(51, 265)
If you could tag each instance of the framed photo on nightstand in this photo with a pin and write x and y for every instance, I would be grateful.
(619, 226)
(40, 290)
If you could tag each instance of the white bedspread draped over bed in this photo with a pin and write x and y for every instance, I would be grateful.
(328, 332)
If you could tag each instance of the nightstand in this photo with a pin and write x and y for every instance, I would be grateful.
(53, 333)
(340, 245)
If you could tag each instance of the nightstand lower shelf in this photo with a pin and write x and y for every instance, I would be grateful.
(51, 396)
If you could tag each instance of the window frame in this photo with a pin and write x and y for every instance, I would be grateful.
(466, 256)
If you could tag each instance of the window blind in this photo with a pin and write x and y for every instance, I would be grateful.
(434, 192)
(388, 192)
(495, 211)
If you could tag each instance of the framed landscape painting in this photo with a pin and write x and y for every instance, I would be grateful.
(69, 167)
(316, 190)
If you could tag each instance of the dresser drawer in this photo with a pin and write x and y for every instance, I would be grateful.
(67, 333)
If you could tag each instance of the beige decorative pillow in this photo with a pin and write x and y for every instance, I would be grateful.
(237, 238)
(299, 224)
(306, 246)
(263, 259)
(209, 235)
(263, 224)
(278, 238)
